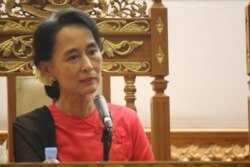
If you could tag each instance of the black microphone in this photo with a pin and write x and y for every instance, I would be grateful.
(103, 110)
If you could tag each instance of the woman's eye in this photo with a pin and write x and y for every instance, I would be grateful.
(93, 52)
(73, 57)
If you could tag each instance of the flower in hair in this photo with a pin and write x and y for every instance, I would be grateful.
(41, 77)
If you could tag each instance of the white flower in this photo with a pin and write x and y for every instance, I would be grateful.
(41, 77)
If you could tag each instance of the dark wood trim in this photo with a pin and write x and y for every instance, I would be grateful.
(11, 86)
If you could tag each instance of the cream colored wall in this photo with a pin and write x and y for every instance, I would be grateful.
(3, 103)
(207, 64)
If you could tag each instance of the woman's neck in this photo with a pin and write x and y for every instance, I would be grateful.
(78, 106)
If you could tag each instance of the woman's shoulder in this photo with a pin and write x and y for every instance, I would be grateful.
(120, 111)
(120, 108)
(34, 115)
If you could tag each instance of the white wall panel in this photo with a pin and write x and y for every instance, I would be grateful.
(207, 64)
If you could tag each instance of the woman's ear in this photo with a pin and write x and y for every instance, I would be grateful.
(46, 71)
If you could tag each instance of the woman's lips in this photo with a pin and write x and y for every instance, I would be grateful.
(90, 79)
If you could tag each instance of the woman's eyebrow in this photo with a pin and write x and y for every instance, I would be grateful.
(92, 44)
(73, 50)
(70, 51)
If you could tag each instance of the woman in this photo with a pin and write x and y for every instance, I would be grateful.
(68, 61)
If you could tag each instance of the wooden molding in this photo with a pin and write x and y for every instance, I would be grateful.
(208, 145)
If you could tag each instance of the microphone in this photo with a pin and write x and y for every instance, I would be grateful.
(103, 111)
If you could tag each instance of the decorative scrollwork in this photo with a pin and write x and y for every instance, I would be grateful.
(119, 67)
(136, 26)
(21, 47)
(97, 8)
(18, 47)
(210, 153)
(124, 9)
(123, 26)
(123, 48)
(26, 26)
(15, 66)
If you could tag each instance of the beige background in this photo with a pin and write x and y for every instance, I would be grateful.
(207, 81)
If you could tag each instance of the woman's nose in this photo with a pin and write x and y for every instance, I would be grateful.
(86, 64)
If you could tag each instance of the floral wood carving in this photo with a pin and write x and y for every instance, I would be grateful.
(119, 67)
(96, 8)
(21, 47)
(124, 48)
(116, 67)
(15, 66)
(191, 152)
(17, 47)
(18, 26)
(28, 26)
(124, 26)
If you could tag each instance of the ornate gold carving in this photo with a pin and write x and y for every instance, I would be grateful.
(28, 26)
(210, 153)
(19, 47)
(18, 26)
(160, 55)
(123, 26)
(159, 25)
(117, 67)
(26, 67)
(123, 48)
(128, 8)
(15, 66)
(139, 67)
(98, 8)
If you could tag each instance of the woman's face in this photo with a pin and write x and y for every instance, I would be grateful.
(77, 62)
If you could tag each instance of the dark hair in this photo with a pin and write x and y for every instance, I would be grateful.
(45, 38)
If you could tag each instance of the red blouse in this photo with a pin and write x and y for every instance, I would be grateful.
(79, 138)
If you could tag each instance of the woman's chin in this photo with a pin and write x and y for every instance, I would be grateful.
(90, 91)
